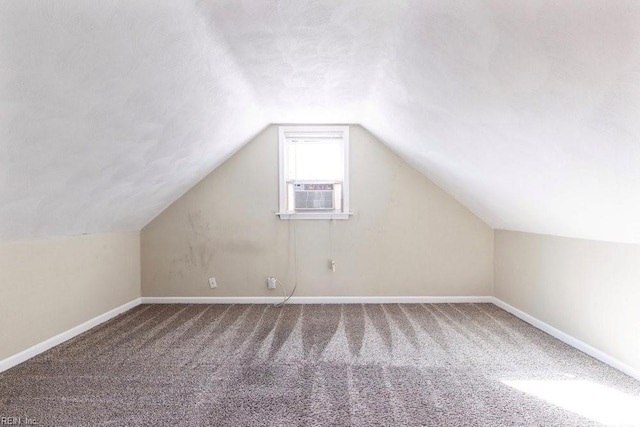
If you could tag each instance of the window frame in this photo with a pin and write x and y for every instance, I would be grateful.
(344, 213)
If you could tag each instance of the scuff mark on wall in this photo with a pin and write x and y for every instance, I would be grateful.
(199, 242)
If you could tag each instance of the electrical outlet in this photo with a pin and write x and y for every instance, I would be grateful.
(212, 283)
(271, 282)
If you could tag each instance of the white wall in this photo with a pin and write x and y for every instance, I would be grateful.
(588, 289)
(50, 286)
(407, 237)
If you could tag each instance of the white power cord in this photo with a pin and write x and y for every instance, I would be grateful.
(295, 268)
(286, 297)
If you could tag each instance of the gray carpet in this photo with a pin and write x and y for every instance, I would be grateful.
(250, 365)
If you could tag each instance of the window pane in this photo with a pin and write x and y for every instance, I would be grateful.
(316, 161)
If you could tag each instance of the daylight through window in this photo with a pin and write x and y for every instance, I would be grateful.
(314, 172)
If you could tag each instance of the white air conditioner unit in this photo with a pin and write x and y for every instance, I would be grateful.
(314, 196)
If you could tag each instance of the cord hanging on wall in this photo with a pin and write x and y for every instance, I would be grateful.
(295, 267)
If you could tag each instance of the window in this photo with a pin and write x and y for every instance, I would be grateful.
(314, 172)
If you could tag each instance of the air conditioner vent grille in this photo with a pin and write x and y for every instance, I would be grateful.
(314, 196)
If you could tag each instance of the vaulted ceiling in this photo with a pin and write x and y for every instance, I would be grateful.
(526, 112)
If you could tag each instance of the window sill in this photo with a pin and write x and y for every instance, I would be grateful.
(313, 215)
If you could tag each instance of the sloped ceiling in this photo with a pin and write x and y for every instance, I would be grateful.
(527, 112)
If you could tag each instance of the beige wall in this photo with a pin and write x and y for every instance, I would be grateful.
(407, 237)
(50, 286)
(588, 289)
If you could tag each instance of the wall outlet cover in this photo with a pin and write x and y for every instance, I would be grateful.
(212, 283)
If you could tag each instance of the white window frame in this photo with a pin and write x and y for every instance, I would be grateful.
(283, 160)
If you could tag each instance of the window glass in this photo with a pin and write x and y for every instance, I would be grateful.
(316, 160)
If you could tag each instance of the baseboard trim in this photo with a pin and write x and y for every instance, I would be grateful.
(317, 300)
(27, 354)
(568, 339)
(45, 345)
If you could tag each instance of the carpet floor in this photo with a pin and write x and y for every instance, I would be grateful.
(360, 365)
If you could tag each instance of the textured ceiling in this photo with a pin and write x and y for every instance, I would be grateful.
(526, 112)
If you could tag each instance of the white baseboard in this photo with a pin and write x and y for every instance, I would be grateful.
(18, 358)
(568, 339)
(316, 300)
(562, 336)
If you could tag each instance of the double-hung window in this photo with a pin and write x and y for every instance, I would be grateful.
(314, 172)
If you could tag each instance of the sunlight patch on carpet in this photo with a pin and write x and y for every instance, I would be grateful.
(591, 400)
